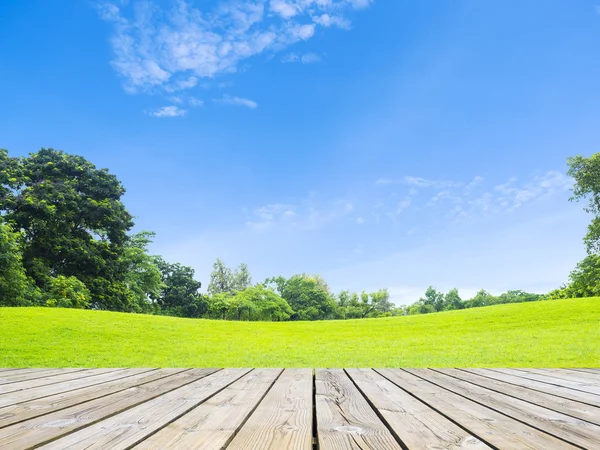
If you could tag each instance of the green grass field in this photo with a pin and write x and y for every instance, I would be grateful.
(560, 333)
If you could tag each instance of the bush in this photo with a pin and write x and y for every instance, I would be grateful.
(67, 292)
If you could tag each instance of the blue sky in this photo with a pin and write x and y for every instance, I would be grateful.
(379, 143)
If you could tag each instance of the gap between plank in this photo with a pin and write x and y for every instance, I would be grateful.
(514, 396)
(439, 412)
(385, 422)
(40, 444)
(498, 411)
(189, 409)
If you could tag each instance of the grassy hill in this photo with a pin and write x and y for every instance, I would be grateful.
(560, 333)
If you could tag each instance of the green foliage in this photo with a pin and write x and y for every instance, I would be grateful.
(143, 277)
(452, 300)
(257, 303)
(15, 288)
(67, 292)
(309, 297)
(72, 219)
(179, 291)
(584, 281)
(586, 172)
(561, 333)
(221, 279)
(241, 279)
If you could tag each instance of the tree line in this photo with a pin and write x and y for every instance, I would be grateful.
(66, 241)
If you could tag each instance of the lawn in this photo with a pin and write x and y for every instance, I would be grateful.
(560, 333)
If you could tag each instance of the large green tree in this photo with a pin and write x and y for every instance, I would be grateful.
(14, 285)
(72, 220)
(221, 279)
(309, 297)
(179, 295)
(586, 173)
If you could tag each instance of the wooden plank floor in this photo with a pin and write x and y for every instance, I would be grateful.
(300, 409)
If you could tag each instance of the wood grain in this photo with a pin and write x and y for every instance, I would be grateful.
(570, 429)
(52, 426)
(283, 419)
(416, 424)
(570, 407)
(345, 420)
(490, 426)
(214, 423)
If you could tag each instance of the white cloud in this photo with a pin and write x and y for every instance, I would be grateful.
(403, 205)
(171, 49)
(418, 182)
(167, 111)
(308, 58)
(238, 101)
(360, 220)
(283, 8)
(195, 102)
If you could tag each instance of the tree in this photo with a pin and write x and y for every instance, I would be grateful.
(179, 294)
(241, 279)
(309, 297)
(14, 285)
(67, 292)
(221, 279)
(482, 298)
(143, 277)
(586, 172)
(452, 300)
(72, 220)
(433, 298)
(584, 281)
(261, 303)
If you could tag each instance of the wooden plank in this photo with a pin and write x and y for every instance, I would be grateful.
(34, 408)
(570, 429)
(283, 419)
(43, 429)
(570, 407)
(9, 390)
(561, 374)
(215, 422)
(488, 425)
(98, 376)
(130, 427)
(588, 370)
(22, 371)
(557, 391)
(417, 425)
(345, 420)
(582, 387)
(7, 381)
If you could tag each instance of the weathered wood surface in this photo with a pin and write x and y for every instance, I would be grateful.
(243, 409)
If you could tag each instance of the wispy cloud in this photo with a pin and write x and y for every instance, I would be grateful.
(308, 58)
(167, 111)
(308, 214)
(237, 101)
(417, 182)
(195, 102)
(170, 49)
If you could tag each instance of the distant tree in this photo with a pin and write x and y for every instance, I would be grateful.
(433, 298)
(277, 283)
(586, 172)
(72, 220)
(241, 278)
(482, 298)
(179, 294)
(261, 303)
(309, 297)
(143, 277)
(221, 279)
(452, 300)
(420, 308)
